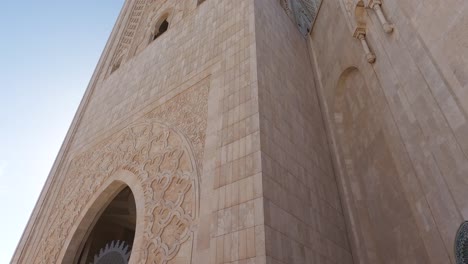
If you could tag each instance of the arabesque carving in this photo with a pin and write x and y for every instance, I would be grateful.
(165, 161)
(129, 32)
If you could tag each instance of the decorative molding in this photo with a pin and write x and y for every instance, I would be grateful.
(130, 29)
(360, 17)
(165, 166)
(360, 34)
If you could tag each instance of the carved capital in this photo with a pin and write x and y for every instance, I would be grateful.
(359, 33)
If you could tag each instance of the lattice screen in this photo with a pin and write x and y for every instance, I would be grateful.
(303, 12)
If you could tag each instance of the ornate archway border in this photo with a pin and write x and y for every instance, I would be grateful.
(165, 169)
(95, 207)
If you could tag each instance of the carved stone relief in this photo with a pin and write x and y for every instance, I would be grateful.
(165, 156)
(126, 40)
(142, 19)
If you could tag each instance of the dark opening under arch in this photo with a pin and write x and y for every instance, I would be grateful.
(162, 28)
(111, 238)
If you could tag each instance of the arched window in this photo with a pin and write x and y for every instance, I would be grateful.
(111, 238)
(160, 29)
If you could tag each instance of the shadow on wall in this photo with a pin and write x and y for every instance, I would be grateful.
(387, 230)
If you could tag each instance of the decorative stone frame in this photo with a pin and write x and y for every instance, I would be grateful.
(158, 163)
(113, 186)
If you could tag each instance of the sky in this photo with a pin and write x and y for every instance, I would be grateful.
(48, 52)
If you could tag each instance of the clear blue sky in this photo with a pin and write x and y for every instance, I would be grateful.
(48, 52)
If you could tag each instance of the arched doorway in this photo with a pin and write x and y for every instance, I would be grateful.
(111, 238)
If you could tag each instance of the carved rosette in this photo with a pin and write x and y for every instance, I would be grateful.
(165, 165)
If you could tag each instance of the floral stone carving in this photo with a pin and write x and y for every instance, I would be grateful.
(165, 159)
(164, 163)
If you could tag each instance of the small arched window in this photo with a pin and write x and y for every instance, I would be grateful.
(160, 29)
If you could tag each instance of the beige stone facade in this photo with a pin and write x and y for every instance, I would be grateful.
(244, 141)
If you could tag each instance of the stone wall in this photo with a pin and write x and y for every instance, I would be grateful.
(397, 127)
(198, 81)
(303, 216)
(279, 148)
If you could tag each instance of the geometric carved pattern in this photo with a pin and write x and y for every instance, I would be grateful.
(169, 179)
(461, 244)
(163, 157)
(303, 12)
